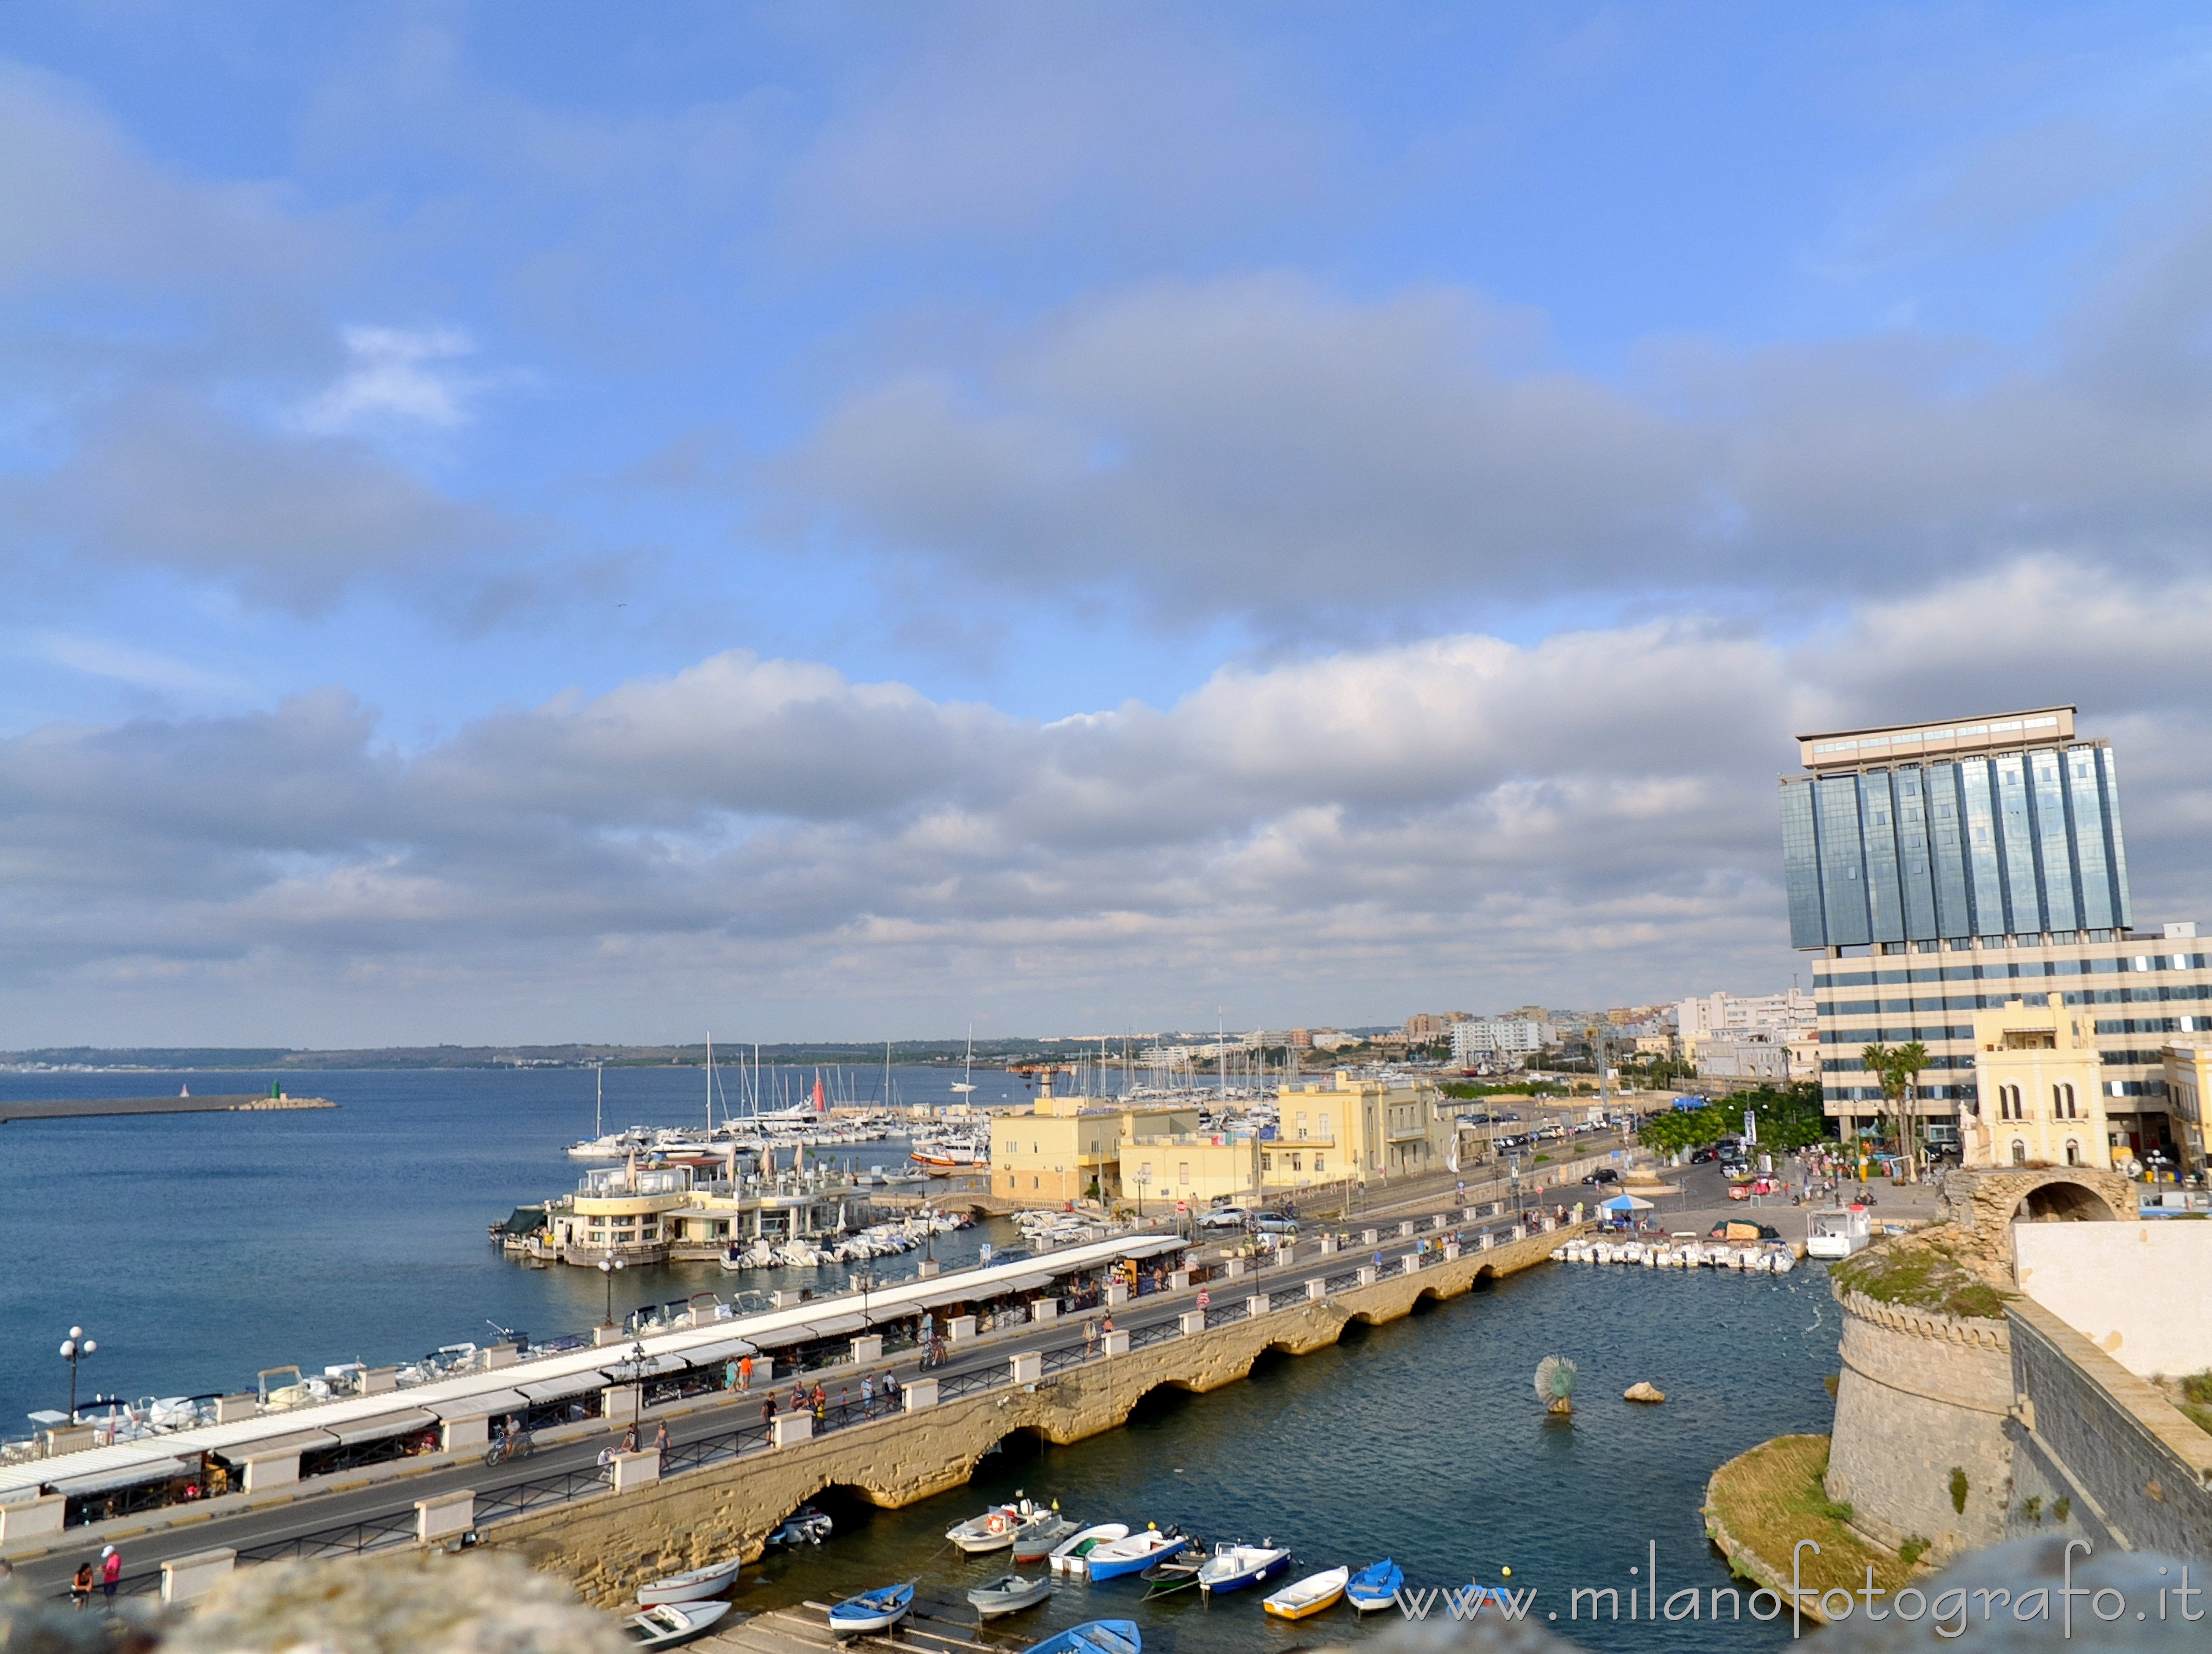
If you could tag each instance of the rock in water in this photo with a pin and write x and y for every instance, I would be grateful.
(1643, 1390)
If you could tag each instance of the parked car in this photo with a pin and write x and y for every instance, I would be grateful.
(1601, 1177)
(1704, 1156)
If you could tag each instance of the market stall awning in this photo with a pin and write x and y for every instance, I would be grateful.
(782, 1338)
(122, 1475)
(554, 1389)
(1025, 1283)
(838, 1326)
(629, 1372)
(482, 1405)
(384, 1425)
(722, 1349)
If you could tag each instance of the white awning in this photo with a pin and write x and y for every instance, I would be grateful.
(481, 1406)
(1026, 1283)
(722, 1349)
(384, 1425)
(555, 1390)
(629, 1373)
(838, 1325)
(123, 1475)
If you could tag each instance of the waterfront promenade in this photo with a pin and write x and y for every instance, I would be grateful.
(1296, 1307)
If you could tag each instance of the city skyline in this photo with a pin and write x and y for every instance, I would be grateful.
(805, 521)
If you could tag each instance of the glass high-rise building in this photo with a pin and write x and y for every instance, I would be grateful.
(1938, 869)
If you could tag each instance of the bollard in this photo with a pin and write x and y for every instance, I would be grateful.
(1520, 1233)
(919, 1393)
(1368, 1236)
(1316, 1290)
(868, 1350)
(447, 1514)
(1327, 1245)
(1193, 1322)
(1117, 1292)
(1439, 1221)
(1406, 1227)
(789, 1429)
(1412, 1263)
(1028, 1366)
(183, 1577)
(620, 1403)
(1256, 1305)
(1045, 1308)
(1489, 1240)
(1366, 1274)
(1115, 1343)
(1178, 1280)
(1236, 1269)
(960, 1328)
(463, 1435)
(30, 1517)
(1451, 1251)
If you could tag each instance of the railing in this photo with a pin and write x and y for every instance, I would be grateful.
(1145, 1337)
(713, 1449)
(518, 1496)
(974, 1384)
(1282, 1297)
(1343, 1283)
(376, 1534)
(1073, 1356)
(1221, 1314)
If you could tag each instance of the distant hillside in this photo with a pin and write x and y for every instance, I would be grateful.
(513, 1057)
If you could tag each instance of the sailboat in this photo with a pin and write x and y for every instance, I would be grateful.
(966, 1082)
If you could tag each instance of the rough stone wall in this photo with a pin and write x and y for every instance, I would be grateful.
(2134, 1467)
(1920, 1394)
(1980, 1206)
(605, 1545)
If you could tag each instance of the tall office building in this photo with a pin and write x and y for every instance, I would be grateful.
(1943, 869)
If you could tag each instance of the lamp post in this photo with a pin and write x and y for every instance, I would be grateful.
(1143, 1176)
(607, 1268)
(75, 1348)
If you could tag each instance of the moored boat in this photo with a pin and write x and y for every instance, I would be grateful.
(1309, 1596)
(1068, 1556)
(1175, 1570)
(667, 1624)
(1374, 1586)
(1233, 1567)
(693, 1585)
(1035, 1539)
(1093, 1637)
(1130, 1555)
(875, 1610)
(1009, 1593)
(804, 1526)
(993, 1530)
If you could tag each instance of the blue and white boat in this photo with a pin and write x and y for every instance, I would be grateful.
(875, 1610)
(1233, 1567)
(1374, 1586)
(1093, 1637)
(1131, 1554)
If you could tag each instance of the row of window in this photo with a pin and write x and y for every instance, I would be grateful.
(1960, 1093)
(2013, 1105)
(1938, 1060)
(2181, 992)
(2120, 965)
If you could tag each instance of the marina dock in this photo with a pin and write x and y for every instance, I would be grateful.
(89, 1108)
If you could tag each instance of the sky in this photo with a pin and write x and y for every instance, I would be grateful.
(822, 521)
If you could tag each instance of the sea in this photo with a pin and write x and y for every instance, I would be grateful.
(199, 1248)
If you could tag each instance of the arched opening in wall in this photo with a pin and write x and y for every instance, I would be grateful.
(1271, 1362)
(1424, 1301)
(2019, 1152)
(1485, 1280)
(1010, 1454)
(1355, 1332)
(1160, 1406)
(2060, 1201)
(2072, 1151)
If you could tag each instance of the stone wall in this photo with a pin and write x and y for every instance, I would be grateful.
(1922, 1394)
(606, 1545)
(2137, 1472)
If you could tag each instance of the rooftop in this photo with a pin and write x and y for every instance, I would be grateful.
(1837, 748)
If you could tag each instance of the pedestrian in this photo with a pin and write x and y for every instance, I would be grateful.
(607, 1463)
(111, 1571)
(1109, 1328)
(1378, 1258)
(629, 1439)
(745, 1373)
(891, 1392)
(767, 1414)
(81, 1586)
(820, 1403)
(1090, 1336)
(844, 1404)
(730, 1375)
(799, 1398)
(867, 1398)
(1205, 1300)
(660, 1440)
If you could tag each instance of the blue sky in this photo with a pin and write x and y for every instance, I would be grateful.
(553, 522)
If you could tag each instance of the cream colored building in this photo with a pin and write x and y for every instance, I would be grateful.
(2038, 1081)
(1069, 1148)
(2188, 1091)
(1197, 1168)
(1360, 1128)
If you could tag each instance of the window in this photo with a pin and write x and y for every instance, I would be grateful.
(2062, 1102)
(1267, 1163)
(1298, 1162)
(2019, 1152)
(2073, 1153)
(1317, 1159)
(1182, 1171)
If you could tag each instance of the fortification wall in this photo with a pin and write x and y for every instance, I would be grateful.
(1920, 1396)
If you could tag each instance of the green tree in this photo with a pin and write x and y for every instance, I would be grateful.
(1896, 1069)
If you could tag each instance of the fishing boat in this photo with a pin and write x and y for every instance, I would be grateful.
(875, 1610)
(1009, 1594)
(1035, 1539)
(1130, 1555)
(1374, 1586)
(1069, 1555)
(993, 1530)
(694, 1585)
(804, 1526)
(1093, 1637)
(1310, 1596)
(667, 1624)
(1233, 1567)
(1175, 1570)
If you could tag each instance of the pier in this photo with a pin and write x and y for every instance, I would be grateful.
(313, 1484)
(90, 1107)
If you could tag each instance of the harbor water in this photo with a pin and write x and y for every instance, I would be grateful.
(198, 1249)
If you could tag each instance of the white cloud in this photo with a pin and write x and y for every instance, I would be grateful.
(396, 374)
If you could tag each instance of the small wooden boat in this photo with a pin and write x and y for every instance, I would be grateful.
(694, 1586)
(804, 1526)
(1093, 1637)
(1068, 1556)
(875, 1610)
(993, 1530)
(1232, 1567)
(1374, 1586)
(1009, 1595)
(1175, 1570)
(1310, 1596)
(1035, 1539)
(667, 1624)
(1131, 1555)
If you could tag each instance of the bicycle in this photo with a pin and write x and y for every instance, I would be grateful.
(520, 1445)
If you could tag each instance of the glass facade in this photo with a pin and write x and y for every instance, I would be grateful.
(2020, 843)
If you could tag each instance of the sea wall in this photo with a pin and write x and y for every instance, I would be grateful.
(606, 1545)
(1920, 1396)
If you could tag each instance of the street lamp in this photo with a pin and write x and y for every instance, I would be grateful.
(607, 1268)
(1143, 1176)
(75, 1348)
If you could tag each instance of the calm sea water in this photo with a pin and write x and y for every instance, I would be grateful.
(198, 1249)
(1422, 1440)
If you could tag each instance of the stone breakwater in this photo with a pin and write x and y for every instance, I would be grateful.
(606, 1546)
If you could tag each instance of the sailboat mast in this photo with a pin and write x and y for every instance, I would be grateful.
(599, 1105)
(710, 1084)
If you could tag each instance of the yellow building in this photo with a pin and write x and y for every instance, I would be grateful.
(1069, 1148)
(2038, 1081)
(1197, 1168)
(618, 1212)
(1357, 1129)
(2188, 1091)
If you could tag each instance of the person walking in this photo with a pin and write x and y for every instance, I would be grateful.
(730, 1375)
(629, 1439)
(820, 1403)
(745, 1373)
(767, 1414)
(81, 1586)
(110, 1571)
(660, 1441)
(1109, 1328)
(867, 1398)
(1089, 1337)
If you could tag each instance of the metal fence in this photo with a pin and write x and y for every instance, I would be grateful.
(1283, 1297)
(1343, 1283)
(1073, 1356)
(1222, 1314)
(974, 1384)
(1159, 1333)
(517, 1497)
(375, 1534)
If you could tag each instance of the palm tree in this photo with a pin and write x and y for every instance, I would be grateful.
(1896, 1069)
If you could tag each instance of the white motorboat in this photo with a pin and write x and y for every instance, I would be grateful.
(667, 1624)
(1009, 1595)
(1131, 1555)
(693, 1585)
(804, 1526)
(1035, 1539)
(1069, 1555)
(993, 1530)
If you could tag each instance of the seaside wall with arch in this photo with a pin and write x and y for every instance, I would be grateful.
(605, 1545)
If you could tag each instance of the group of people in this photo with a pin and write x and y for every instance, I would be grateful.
(101, 1575)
